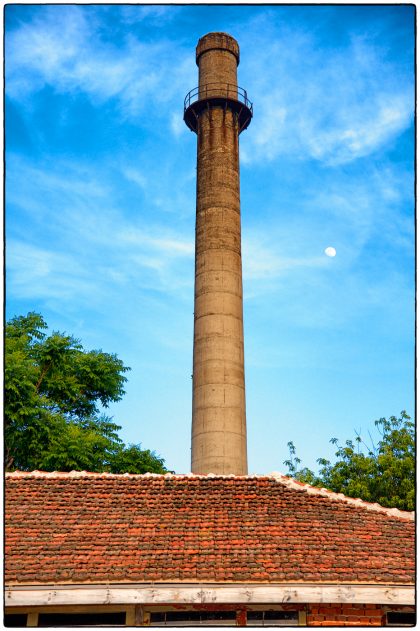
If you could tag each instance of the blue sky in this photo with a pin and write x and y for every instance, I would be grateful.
(100, 209)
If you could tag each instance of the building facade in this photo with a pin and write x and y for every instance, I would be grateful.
(182, 550)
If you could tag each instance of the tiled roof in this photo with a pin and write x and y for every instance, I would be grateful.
(99, 528)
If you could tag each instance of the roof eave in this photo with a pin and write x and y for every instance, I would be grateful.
(185, 593)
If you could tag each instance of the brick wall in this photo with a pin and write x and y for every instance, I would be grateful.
(334, 615)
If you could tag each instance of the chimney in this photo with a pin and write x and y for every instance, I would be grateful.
(218, 111)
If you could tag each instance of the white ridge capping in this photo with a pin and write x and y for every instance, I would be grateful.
(313, 490)
(76, 474)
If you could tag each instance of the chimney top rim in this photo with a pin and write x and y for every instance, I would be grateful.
(213, 33)
(217, 40)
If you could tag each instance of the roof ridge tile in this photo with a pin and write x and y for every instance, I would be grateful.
(355, 501)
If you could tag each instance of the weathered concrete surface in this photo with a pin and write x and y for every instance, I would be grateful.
(219, 418)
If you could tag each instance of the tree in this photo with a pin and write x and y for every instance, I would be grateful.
(53, 390)
(382, 472)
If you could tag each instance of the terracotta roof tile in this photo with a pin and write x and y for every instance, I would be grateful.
(81, 527)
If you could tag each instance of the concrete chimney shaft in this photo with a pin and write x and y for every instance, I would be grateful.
(218, 113)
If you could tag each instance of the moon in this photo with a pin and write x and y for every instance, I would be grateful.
(330, 251)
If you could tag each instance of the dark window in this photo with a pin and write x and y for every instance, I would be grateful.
(15, 619)
(192, 618)
(81, 619)
(401, 618)
(158, 616)
(272, 618)
(218, 615)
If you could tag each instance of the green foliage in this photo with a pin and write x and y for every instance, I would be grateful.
(90, 445)
(133, 459)
(53, 390)
(382, 472)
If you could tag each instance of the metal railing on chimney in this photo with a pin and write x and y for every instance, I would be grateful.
(217, 90)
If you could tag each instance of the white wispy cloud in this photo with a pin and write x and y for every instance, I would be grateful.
(262, 261)
(33, 272)
(172, 247)
(333, 106)
(178, 126)
(358, 133)
(157, 14)
(63, 48)
(136, 176)
(85, 238)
